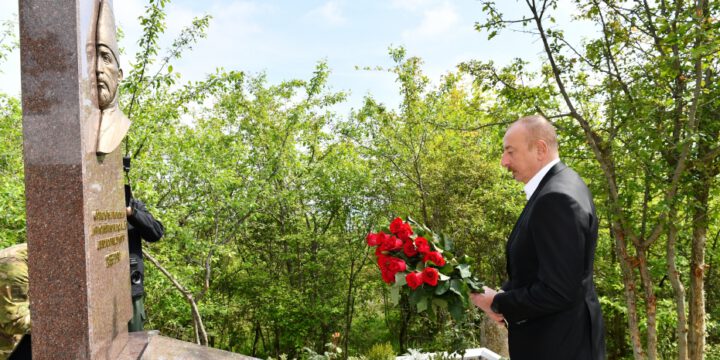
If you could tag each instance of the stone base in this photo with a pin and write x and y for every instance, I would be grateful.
(148, 345)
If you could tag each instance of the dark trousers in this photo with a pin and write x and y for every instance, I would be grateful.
(137, 323)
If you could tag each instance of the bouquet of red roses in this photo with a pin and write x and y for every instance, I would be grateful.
(419, 262)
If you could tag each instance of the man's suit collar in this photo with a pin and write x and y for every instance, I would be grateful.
(533, 183)
(553, 170)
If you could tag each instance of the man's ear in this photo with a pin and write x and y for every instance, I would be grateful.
(542, 149)
(120, 74)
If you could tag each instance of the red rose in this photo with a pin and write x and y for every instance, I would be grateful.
(395, 225)
(430, 276)
(404, 232)
(401, 229)
(372, 239)
(396, 265)
(381, 259)
(409, 248)
(383, 262)
(435, 257)
(381, 238)
(391, 244)
(422, 245)
(414, 279)
(387, 276)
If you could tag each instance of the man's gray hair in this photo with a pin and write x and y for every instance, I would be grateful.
(539, 128)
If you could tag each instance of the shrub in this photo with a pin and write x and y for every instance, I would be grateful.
(382, 351)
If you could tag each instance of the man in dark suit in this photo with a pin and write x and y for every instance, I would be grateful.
(549, 302)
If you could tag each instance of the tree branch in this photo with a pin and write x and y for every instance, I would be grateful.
(197, 319)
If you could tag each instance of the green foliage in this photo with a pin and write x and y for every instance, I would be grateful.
(8, 39)
(12, 186)
(381, 351)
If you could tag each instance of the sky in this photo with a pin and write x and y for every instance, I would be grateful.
(286, 39)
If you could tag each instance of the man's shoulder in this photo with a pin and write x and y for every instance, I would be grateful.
(563, 180)
(565, 186)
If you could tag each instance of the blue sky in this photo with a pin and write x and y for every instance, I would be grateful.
(285, 39)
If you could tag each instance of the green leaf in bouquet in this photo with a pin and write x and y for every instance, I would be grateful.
(464, 271)
(422, 304)
(439, 303)
(443, 277)
(447, 269)
(474, 284)
(412, 262)
(456, 309)
(455, 286)
(459, 288)
(395, 295)
(418, 226)
(414, 223)
(416, 295)
(400, 279)
(442, 287)
(437, 246)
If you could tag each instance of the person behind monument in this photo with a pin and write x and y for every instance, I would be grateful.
(549, 302)
(141, 225)
(113, 123)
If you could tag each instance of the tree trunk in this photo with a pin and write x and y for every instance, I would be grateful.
(650, 304)
(681, 329)
(278, 351)
(628, 278)
(257, 338)
(696, 336)
(350, 300)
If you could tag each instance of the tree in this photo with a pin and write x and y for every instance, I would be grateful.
(12, 186)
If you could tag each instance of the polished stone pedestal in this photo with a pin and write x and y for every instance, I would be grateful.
(149, 345)
(76, 223)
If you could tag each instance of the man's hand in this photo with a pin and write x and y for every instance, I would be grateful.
(484, 300)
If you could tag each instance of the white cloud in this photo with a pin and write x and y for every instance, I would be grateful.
(238, 18)
(409, 4)
(436, 21)
(329, 12)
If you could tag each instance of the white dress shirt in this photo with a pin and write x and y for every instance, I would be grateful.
(532, 185)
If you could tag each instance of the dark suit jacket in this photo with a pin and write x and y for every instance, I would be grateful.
(141, 225)
(549, 300)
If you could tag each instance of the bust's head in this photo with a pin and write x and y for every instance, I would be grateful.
(109, 73)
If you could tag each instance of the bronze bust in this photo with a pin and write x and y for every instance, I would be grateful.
(114, 124)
